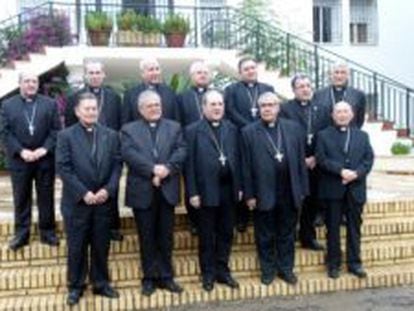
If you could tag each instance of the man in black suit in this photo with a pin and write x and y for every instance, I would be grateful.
(242, 109)
(340, 90)
(312, 118)
(88, 160)
(213, 186)
(109, 114)
(275, 182)
(29, 124)
(189, 111)
(345, 157)
(151, 80)
(154, 151)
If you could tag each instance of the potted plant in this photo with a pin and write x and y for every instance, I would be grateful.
(127, 28)
(150, 30)
(99, 26)
(175, 29)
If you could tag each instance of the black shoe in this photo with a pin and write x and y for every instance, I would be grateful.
(358, 272)
(148, 288)
(333, 273)
(241, 227)
(171, 286)
(319, 221)
(228, 280)
(115, 235)
(288, 277)
(50, 239)
(267, 278)
(106, 291)
(18, 242)
(208, 284)
(73, 297)
(313, 245)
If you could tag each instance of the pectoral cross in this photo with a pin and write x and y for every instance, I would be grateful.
(254, 111)
(31, 129)
(310, 138)
(222, 159)
(279, 156)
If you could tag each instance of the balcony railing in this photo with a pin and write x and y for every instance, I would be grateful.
(229, 28)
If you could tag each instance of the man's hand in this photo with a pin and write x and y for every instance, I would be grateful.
(240, 195)
(310, 162)
(195, 201)
(89, 198)
(101, 196)
(348, 176)
(161, 171)
(156, 181)
(251, 204)
(28, 155)
(40, 152)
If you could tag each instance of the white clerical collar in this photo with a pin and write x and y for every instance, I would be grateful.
(304, 103)
(251, 84)
(201, 89)
(271, 124)
(215, 123)
(152, 124)
(343, 128)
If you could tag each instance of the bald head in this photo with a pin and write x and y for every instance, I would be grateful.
(150, 70)
(200, 74)
(342, 113)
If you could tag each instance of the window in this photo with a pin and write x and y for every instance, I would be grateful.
(327, 21)
(363, 22)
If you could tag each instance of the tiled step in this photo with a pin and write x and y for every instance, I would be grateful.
(372, 230)
(127, 268)
(250, 288)
(372, 210)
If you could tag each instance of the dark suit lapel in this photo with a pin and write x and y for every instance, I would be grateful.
(101, 146)
(83, 143)
(207, 132)
(262, 133)
(161, 138)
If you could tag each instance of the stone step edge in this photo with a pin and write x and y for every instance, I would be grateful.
(403, 206)
(250, 288)
(31, 277)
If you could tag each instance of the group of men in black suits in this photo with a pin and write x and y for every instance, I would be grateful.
(238, 151)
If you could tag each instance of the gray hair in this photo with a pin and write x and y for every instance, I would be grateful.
(210, 93)
(147, 96)
(27, 73)
(343, 103)
(339, 64)
(144, 63)
(268, 97)
(94, 62)
(196, 66)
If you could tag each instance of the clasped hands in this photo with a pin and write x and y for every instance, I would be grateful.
(348, 176)
(160, 172)
(100, 197)
(33, 155)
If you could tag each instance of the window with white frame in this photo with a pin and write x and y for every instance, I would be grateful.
(327, 21)
(363, 26)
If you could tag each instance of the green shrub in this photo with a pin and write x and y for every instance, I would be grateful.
(401, 148)
(98, 21)
(175, 23)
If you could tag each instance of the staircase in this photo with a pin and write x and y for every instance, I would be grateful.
(34, 278)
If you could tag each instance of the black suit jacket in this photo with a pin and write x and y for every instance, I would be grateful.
(137, 153)
(352, 95)
(16, 135)
(111, 110)
(77, 169)
(189, 109)
(130, 106)
(331, 158)
(202, 169)
(259, 180)
(238, 105)
(320, 119)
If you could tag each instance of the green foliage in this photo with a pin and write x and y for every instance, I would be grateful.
(178, 82)
(175, 23)
(127, 20)
(148, 24)
(401, 148)
(98, 21)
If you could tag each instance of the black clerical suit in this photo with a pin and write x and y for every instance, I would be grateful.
(274, 173)
(311, 118)
(130, 103)
(144, 146)
(189, 106)
(212, 172)
(110, 112)
(242, 109)
(336, 150)
(330, 95)
(30, 124)
(87, 160)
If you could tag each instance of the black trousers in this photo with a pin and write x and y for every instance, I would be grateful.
(310, 208)
(275, 238)
(22, 183)
(242, 213)
(216, 235)
(192, 213)
(88, 245)
(115, 221)
(155, 230)
(353, 212)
